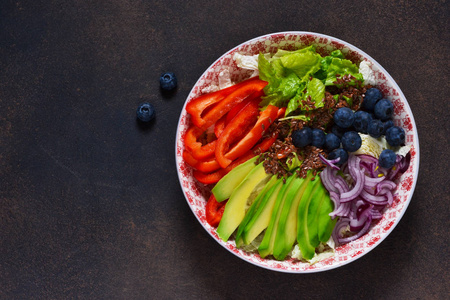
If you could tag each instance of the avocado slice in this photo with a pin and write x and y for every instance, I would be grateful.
(287, 226)
(267, 244)
(223, 189)
(305, 246)
(313, 213)
(261, 217)
(253, 208)
(324, 222)
(235, 208)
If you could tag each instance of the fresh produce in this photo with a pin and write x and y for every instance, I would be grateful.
(395, 136)
(282, 151)
(168, 81)
(332, 141)
(364, 200)
(361, 121)
(145, 112)
(383, 110)
(387, 159)
(371, 98)
(351, 141)
(236, 134)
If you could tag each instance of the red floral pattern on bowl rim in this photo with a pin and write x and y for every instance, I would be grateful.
(196, 193)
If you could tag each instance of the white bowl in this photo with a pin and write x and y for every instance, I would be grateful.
(197, 194)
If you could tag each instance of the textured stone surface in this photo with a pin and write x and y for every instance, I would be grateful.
(90, 203)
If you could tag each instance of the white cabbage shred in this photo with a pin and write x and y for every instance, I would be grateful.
(367, 73)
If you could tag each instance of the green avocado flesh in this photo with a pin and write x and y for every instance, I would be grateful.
(287, 227)
(282, 211)
(324, 222)
(268, 242)
(235, 208)
(223, 189)
(306, 248)
(312, 215)
(254, 211)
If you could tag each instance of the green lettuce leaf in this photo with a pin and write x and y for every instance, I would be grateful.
(316, 89)
(303, 64)
(342, 67)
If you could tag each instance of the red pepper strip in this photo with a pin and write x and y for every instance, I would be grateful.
(214, 211)
(216, 176)
(197, 106)
(235, 129)
(189, 159)
(236, 97)
(195, 147)
(219, 126)
(207, 166)
(265, 144)
(281, 112)
(265, 120)
(235, 110)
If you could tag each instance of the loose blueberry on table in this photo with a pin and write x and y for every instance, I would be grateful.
(145, 112)
(168, 81)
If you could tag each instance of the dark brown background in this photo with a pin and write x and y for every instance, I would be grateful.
(90, 204)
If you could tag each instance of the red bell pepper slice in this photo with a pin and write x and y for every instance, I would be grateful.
(246, 117)
(214, 211)
(209, 165)
(216, 176)
(235, 110)
(236, 97)
(281, 112)
(195, 147)
(197, 107)
(268, 116)
(265, 144)
(220, 126)
(189, 159)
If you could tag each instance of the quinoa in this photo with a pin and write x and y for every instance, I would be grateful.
(280, 154)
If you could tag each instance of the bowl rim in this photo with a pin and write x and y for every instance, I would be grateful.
(408, 111)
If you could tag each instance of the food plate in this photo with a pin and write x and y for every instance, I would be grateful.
(197, 194)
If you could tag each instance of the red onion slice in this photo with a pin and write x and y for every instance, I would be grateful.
(330, 162)
(361, 194)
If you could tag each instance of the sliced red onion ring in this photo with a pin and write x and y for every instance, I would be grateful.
(356, 224)
(341, 185)
(361, 194)
(356, 190)
(342, 224)
(372, 199)
(384, 186)
(330, 162)
(372, 182)
(328, 179)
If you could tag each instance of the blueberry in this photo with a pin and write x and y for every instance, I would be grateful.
(386, 125)
(384, 109)
(338, 131)
(395, 136)
(361, 121)
(343, 117)
(318, 138)
(168, 81)
(375, 128)
(351, 141)
(387, 159)
(339, 152)
(145, 112)
(371, 98)
(332, 141)
(302, 137)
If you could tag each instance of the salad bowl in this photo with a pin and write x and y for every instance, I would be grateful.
(197, 193)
